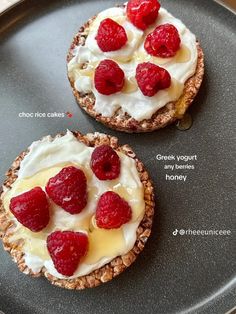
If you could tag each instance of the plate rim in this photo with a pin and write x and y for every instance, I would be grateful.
(13, 6)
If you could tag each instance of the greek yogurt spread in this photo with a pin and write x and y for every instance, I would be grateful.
(131, 100)
(43, 161)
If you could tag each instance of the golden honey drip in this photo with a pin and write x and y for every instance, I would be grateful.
(185, 123)
(183, 55)
(104, 243)
(176, 88)
(130, 86)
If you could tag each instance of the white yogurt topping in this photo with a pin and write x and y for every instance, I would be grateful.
(47, 155)
(138, 106)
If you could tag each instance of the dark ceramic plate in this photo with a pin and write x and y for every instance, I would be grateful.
(174, 274)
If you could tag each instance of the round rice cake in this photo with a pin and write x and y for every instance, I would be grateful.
(125, 113)
(16, 243)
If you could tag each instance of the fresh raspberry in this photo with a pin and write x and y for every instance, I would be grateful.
(105, 163)
(142, 13)
(152, 78)
(66, 249)
(109, 78)
(163, 42)
(111, 36)
(31, 209)
(68, 189)
(112, 211)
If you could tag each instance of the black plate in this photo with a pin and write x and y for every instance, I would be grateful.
(187, 274)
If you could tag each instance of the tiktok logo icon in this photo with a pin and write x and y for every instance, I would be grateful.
(175, 232)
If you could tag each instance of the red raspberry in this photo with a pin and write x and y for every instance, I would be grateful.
(105, 163)
(152, 78)
(109, 78)
(68, 189)
(31, 209)
(163, 42)
(112, 211)
(111, 36)
(142, 13)
(66, 249)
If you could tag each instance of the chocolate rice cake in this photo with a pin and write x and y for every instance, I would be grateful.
(118, 264)
(124, 122)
